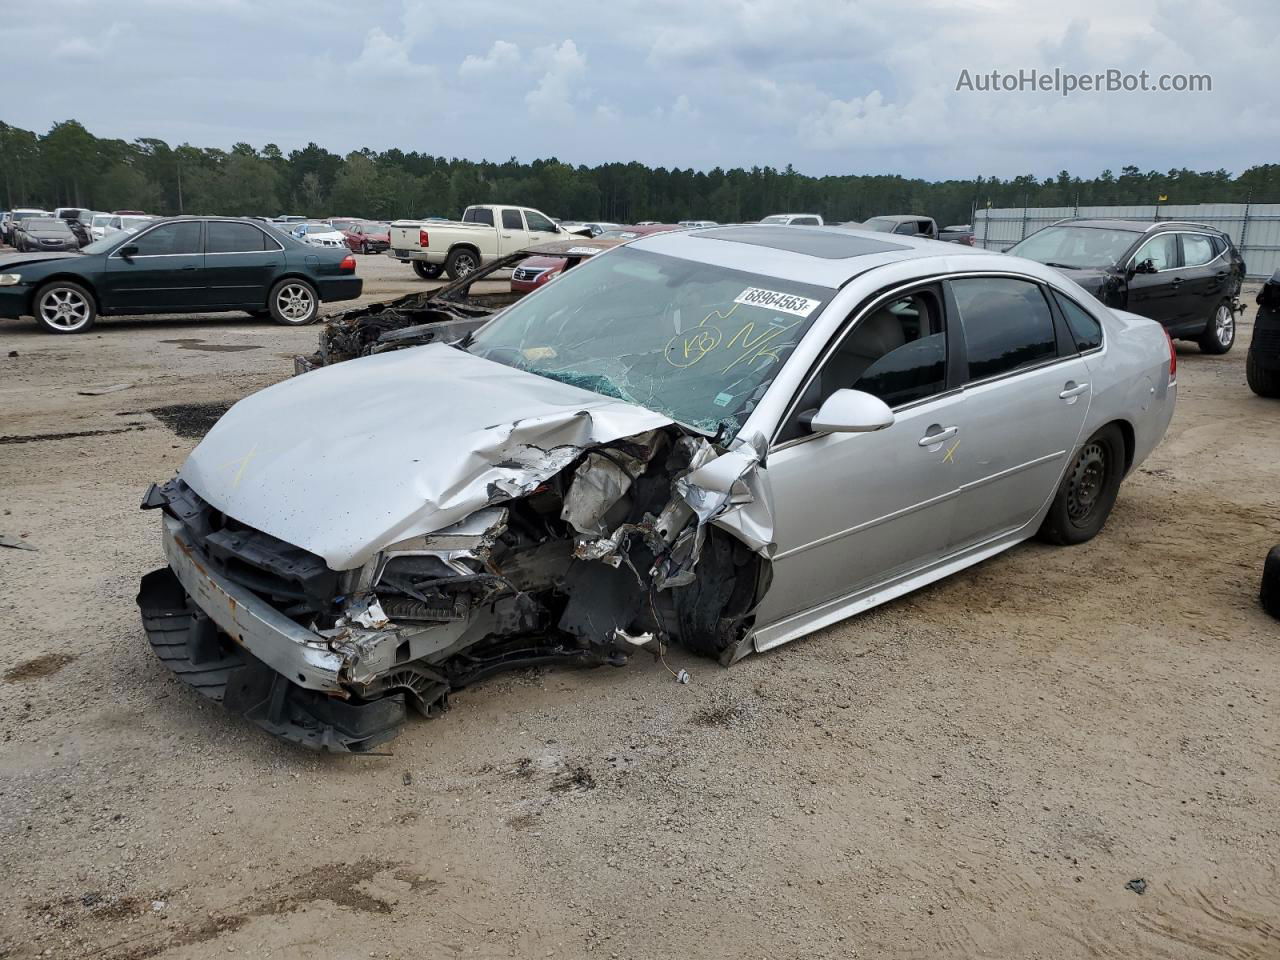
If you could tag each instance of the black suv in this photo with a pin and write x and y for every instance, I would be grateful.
(1185, 275)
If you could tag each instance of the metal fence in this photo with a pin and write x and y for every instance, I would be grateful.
(1255, 227)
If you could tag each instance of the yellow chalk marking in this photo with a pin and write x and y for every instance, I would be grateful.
(949, 458)
(243, 462)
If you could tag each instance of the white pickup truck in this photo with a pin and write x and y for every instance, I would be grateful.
(486, 232)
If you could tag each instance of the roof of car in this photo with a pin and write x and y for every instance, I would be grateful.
(900, 217)
(824, 256)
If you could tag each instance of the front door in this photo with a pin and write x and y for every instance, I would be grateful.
(855, 510)
(1026, 394)
(1157, 295)
(240, 263)
(162, 270)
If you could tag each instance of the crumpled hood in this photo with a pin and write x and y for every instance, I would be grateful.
(346, 460)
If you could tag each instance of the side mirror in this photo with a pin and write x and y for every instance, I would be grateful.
(1146, 266)
(128, 251)
(851, 411)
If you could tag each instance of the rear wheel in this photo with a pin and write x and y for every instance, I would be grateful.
(1270, 593)
(461, 263)
(1220, 334)
(1263, 382)
(1088, 491)
(293, 302)
(65, 307)
(427, 271)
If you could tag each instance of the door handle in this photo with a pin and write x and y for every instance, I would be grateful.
(1176, 282)
(1073, 390)
(932, 439)
(190, 266)
(506, 236)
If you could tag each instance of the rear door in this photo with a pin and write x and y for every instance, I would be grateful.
(1027, 391)
(240, 263)
(1158, 295)
(164, 270)
(1204, 277)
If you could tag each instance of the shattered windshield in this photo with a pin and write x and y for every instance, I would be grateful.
(1076, 246)
(696, 342)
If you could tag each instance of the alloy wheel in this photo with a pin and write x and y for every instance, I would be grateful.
(295, 302)
(64, 309)
(1224, 325)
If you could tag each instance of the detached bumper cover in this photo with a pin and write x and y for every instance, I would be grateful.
(339, 288)
(234, 648)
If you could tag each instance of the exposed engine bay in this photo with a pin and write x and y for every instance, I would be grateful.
(587, 567)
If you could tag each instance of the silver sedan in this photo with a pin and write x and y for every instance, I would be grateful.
(725, 438)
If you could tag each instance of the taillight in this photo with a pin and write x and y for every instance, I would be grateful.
(969, 240)
(348, 264)
(1173, 357)
(423, 239)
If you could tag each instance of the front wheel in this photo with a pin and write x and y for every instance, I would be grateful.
(461, 263)
(293, 302)
(1220, 334)
(65, 307)
(1088, 491)
(427, 271)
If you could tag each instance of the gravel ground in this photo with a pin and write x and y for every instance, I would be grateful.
(978, 769)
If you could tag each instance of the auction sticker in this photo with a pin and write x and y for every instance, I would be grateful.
(583, 251)
(773, 300)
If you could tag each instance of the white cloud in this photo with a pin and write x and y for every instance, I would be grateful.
(502, 57)
(387, 57)
(552, 99)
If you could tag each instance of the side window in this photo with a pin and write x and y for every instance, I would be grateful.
(805, 221)
(1007, 324)
(224, 237)
(1086, 331)
(898, 353)
(478, 215)
(169, 239)
(1161, 250)
(1197, 249)
(511, 220)
(538, 223)
(907, 228)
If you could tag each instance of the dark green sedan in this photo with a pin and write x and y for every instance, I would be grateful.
(178, 265)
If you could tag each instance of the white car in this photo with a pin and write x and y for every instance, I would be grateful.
(105, 223)
(320, 235)
(795, 219)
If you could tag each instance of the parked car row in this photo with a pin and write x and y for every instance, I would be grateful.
(84, 224)
(177, 265)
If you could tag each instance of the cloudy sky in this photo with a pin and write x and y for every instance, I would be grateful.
(829, 86)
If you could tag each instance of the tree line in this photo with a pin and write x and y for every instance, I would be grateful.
(69, 166)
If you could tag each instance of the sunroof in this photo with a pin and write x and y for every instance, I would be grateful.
(827, 244)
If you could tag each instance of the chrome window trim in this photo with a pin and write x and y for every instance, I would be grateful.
(1133, 259)
(1200, 233)
(114, 254)
(913, 284)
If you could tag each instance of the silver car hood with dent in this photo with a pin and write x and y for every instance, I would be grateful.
(346, 460)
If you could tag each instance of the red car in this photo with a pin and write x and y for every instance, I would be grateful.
(367, 236)
(534, 272)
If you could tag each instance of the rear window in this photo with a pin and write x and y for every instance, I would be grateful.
(511, 220)
(1086, 331)
(235, 238)
(478, 215)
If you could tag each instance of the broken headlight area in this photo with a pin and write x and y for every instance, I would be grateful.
(612, 554)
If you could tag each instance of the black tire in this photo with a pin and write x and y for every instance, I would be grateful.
(294, 302)
(711, 612)
(64, 307)
(427, 271)
(462, 262)
(1270, 592)
(1220, 333)
(1088, 491)
(1263, 382)
(364, 247)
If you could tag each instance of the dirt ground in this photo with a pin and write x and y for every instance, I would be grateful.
(976, 770)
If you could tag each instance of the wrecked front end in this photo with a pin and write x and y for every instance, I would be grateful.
(584, 567)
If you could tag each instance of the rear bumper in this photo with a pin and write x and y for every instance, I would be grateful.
(339, 288)
(405, 254)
